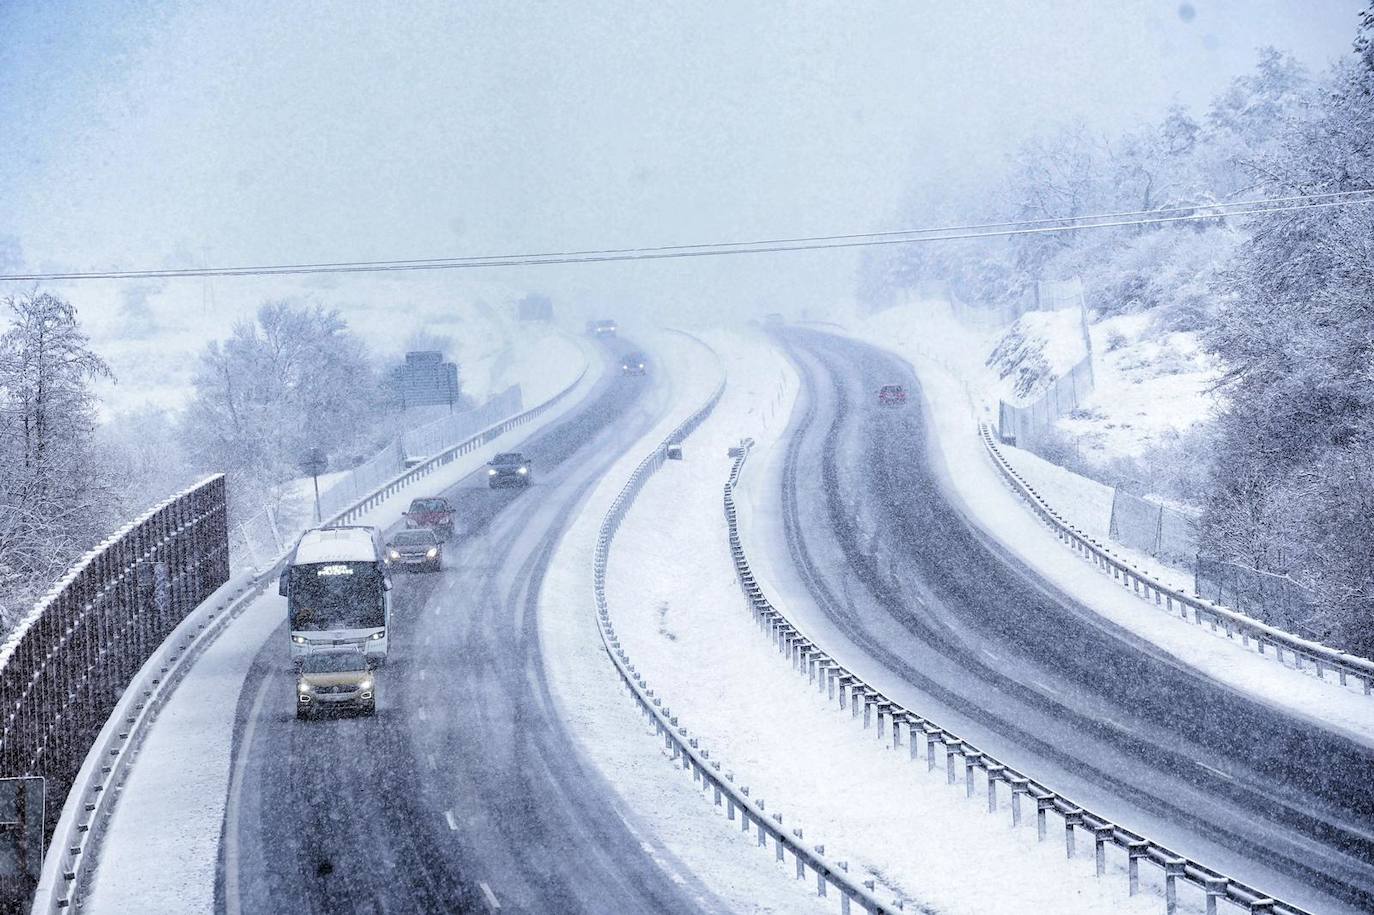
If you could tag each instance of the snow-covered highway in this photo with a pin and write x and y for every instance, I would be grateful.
(891, 570)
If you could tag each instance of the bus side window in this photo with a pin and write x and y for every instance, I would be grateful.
(283, 583)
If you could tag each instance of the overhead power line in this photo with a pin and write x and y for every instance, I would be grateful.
(1039, 226)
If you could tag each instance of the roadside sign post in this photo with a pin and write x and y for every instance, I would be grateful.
(314, 464)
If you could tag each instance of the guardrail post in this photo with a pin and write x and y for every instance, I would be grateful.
(820, 874)
(1043, 804)
(1019, 785)
(1072, 818)
(1101, 836)
(1215, 888)
(995, 774)
(1135, 850)
(1173, 869)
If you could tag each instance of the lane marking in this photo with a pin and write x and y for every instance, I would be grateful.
(432, 764)
(1227, 776)
(491, 897)
(990, 654)
(1046, 688)
(452, 821)
(232, 903)
(422, 714)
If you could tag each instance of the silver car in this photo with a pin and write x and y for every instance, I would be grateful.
(418, 548)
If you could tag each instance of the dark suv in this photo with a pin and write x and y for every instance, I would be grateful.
(509, 469)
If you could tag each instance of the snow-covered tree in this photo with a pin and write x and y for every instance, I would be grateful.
(293, 380)
(55, 495)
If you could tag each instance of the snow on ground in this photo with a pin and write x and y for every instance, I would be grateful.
(678, 611)
(604, 720)
(945, 356)
(1149, 387)
(161, 849)
(1038, 348)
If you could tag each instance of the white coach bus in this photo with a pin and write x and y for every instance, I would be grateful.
(337, 591)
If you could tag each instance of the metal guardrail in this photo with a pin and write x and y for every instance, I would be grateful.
(685, 750)
(1172, 600)
(68, 870)
(838, 682)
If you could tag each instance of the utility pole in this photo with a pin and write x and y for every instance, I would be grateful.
(314, 464)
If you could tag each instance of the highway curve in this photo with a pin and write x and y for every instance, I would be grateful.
(981, 644)
(465, 793)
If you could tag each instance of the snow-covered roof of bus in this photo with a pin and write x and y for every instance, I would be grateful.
(343, 544)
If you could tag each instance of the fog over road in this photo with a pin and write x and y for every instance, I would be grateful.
(984, 647)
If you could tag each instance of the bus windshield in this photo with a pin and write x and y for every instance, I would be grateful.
(337, 595)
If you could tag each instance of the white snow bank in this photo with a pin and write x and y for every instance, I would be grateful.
(1040, 347)
(161, 847)
(1150, 387)
(658, 800)
(956, 396)
(678, 611)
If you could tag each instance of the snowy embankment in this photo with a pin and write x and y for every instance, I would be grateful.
(680, 615)
(162, 845)
(598, 711)
(948, 360)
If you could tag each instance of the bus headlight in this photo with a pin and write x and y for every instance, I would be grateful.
(303, 687)
(491, 472)
(395, 554)
(366, 684)
(523, 470)
(433, 551)
(381, 634)
(298, 639)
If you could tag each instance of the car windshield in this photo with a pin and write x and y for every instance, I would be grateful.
(333, 662)
(514, 457)
(414, 538)
(429, 505)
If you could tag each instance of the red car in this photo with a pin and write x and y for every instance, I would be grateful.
(891, 394)
(433, 513)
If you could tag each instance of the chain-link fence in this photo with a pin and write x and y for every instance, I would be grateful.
(1024, 425)
(1274, 599)
(1156, 529)
(64, 667)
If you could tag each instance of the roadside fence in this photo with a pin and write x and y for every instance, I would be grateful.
(64, 667)
(1143, 524)
(74, 849)
(1276, 599)
(259, 538)
(1302, 653)
(979, 771)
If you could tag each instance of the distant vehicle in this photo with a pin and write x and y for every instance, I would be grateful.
(329, 681)
(773, 319)
(892, 394)
(509, 469)
(434, 513)
(417, 548)
(338, 593)
(604, 328)
(634, 364)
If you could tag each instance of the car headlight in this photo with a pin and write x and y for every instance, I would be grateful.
(641, 365)
(395, 554)
(380, 634)
(298, 639)
(523, 470)
(433, 551)
(303, 686)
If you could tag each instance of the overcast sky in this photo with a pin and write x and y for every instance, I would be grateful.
(144, 135)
